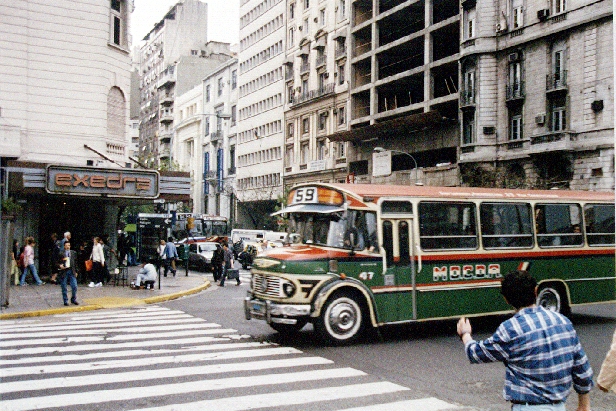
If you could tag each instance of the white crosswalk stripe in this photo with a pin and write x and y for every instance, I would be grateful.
(153, 358)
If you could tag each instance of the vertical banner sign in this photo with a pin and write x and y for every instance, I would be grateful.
(206, 170)
(219, 173)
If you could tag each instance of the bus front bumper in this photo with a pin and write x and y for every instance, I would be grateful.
(274, 312)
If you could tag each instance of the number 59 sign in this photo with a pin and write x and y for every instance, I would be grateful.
(305, 195)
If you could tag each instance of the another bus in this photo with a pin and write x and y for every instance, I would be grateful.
(187, 225)
(371, 255)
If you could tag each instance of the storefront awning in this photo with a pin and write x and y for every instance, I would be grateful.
(397, 126)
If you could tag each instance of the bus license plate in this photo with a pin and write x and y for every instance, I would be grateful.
(258, 307)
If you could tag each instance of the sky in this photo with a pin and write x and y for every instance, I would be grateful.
(223, 18)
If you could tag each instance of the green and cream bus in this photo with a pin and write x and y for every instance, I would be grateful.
(370, 255)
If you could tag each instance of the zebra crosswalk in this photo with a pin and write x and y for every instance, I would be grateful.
(154, 358)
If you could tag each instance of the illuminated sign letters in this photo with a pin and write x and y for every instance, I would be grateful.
(102, 182)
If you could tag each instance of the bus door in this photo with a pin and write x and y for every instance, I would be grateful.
(399, 277)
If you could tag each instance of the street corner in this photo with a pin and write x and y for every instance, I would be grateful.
(113, 302)
(167, 297)
(49, 311)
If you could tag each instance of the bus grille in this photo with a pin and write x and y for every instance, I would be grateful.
(266, 285)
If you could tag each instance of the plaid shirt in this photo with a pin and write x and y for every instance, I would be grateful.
(542, 353)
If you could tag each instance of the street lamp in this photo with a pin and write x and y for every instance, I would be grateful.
(381, 149)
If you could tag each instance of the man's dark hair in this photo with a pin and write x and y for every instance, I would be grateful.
(518, 287)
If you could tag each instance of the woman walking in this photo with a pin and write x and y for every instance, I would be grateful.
(29, 256)
(98, 262)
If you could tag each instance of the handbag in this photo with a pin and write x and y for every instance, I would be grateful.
(89, 265)
(233, 273)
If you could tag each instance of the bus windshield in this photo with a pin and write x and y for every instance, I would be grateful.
(348, 230)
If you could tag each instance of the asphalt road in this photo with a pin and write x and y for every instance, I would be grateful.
(426, 357)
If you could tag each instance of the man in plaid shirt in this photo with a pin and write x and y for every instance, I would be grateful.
(540, 349)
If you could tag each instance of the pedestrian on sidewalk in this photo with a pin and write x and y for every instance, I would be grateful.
(170, 253)
(228, 264)
(607, 376)
(30, 267)
(218, 258)
(160, 254)
(54, 249)
(541, 351)
(98, 262)
(67, 272)
(15, 269)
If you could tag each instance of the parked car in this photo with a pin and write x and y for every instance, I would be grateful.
(200, 254)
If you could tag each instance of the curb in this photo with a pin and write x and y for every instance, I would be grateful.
(92, 307)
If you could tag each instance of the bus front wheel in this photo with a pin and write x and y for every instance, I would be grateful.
(341, 320)
(552, 298)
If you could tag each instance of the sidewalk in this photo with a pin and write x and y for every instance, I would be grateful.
(34, 301)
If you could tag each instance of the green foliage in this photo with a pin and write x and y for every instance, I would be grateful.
(10, 206)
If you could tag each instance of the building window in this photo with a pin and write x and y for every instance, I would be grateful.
(306, 26)
(305, 125)
(207, 126)
(342, 9)
(290, 130)
(288, 156)
(207, 93)
(306, 4)
(468, 128)
(341, 78)
(220, 86)
(469, 23)
(469, 86)
(341, 116)
(118, 23)
(515, 132)
(290, 94)
(234, 79)
(321, 149)
(559, 6)
(322, 17)
(517, 14)
(292, 11)
(305, 153)
(305, 85)
(291, 37)
(558, 66)
(515, 79)
(341, 149)
(116, 114)
(559, 114)
(233, 114)
(322, 81)
(322, 121)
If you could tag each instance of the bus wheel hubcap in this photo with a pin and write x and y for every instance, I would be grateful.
(343, 317)
(549, 299)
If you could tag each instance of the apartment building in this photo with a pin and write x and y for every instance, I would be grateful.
(316, 91)
(260, 110)
(403, 90)
(205, 139)
(180, 33)
(536, 94)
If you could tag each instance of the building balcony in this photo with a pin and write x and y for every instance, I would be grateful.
(340, 52)
(216, 135)
(467, 98)
(314, 94)
(167, 78)
(321, 60)
(164, 150)
(304, 68)
(515, 91)
(556, 82)
(167, 100)
(210, 175)
(165, 137)
(166, 117)
(551, 142)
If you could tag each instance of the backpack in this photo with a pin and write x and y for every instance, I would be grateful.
(22, 261)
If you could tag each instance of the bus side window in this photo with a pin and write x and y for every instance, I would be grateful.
(558, 225)
(388, 242)
(404, 243)
(506, 225)
(599, 224)
(447, 225)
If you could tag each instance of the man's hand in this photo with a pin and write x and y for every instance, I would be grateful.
(583, 402)
(464, 327)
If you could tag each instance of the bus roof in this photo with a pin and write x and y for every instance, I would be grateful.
(373, 192)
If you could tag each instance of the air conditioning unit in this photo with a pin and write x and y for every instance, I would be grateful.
(540, 119)
(543, 14)
(513, 57)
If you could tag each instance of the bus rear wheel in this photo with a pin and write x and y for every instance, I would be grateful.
(552, 298)
(341, 320)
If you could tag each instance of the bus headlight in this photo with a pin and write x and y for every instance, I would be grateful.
(288, 289)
